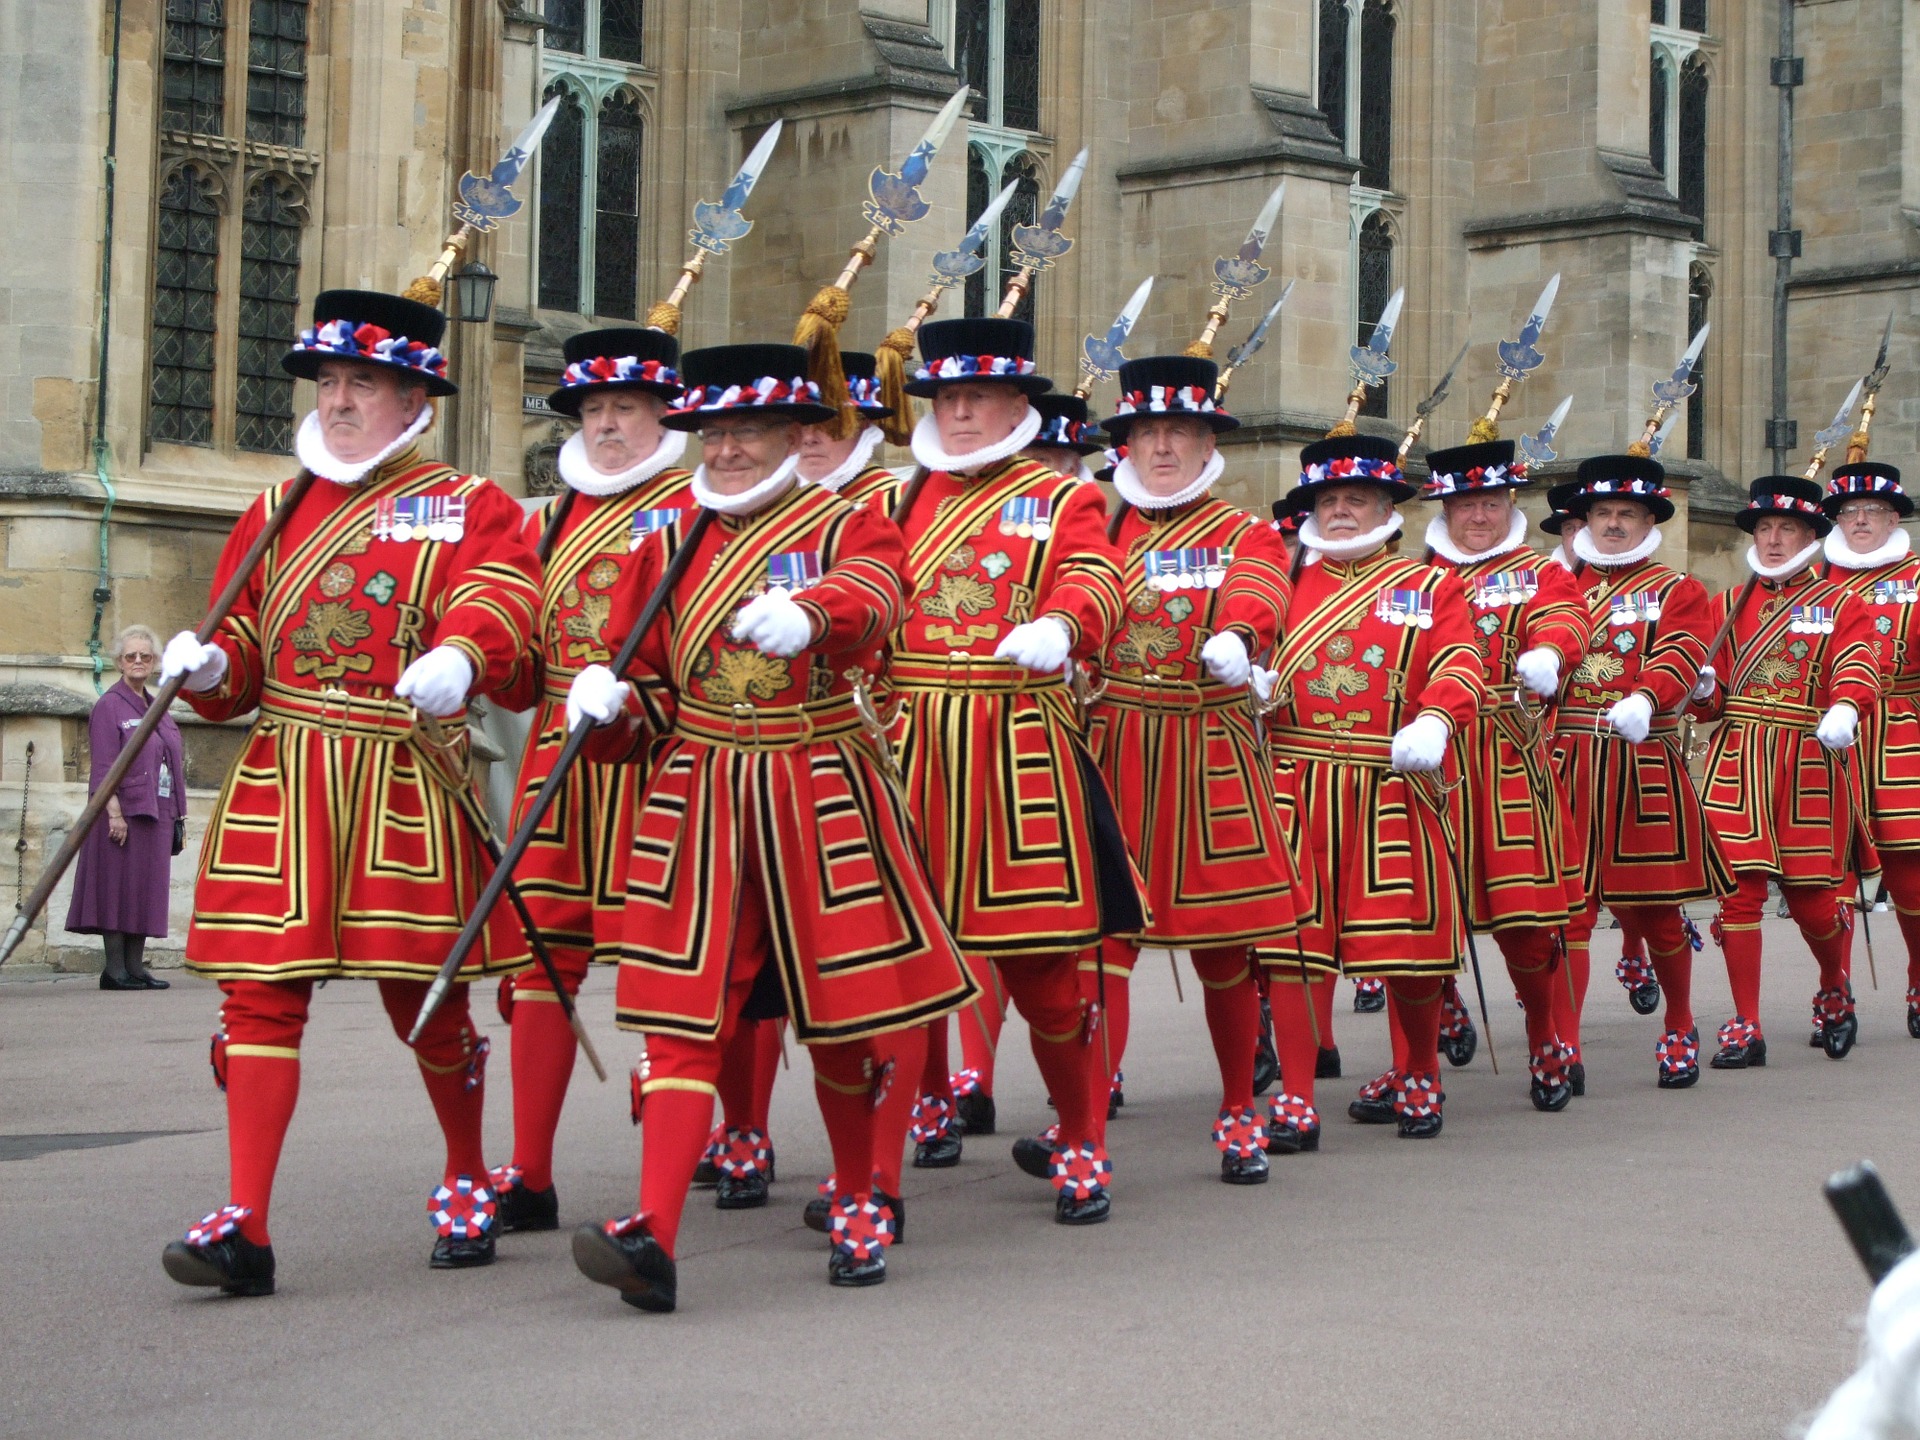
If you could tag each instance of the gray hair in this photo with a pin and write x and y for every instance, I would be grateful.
(136, 632)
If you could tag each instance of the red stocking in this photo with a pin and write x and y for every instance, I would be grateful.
(262, 1022)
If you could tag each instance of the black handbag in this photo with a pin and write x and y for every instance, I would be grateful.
(179, 834)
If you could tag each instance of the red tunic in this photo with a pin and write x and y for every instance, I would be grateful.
(573, 874)
(1889, 750)
(1378, 888)
(336, 847)
(998, 780)
(1193, 789)
(1511, 817)
(1643, 838)
(1776, 797)
(763, 774)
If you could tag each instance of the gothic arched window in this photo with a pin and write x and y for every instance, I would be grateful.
(1699, 294)
(616, 231)
(193, 67)
(186, 303)
(1374, 277)
(1334, 24)
(1691, 182)
(269, 314)
(1659, 102)
(562, 155)
(996, 49)
(1376, 95)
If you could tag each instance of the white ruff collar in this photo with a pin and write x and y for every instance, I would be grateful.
(1584, 548)
(926, 446)
(1791, 566)
(311, 447)
(1318, 545)
(747, 502)
(1560, 557)
(1891, 553)
(1442, 544)
(1133, 490)
(855, 462)
(577, 470)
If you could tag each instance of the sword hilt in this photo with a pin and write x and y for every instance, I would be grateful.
(1487, 427)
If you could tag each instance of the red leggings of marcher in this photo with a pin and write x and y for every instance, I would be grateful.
(1045, 989)
(542, 1061)
(980, 1024)
(1299, 1032)
(1112, 990)
(1413, 1007)
(263, 1021)
(1819, 910)
(1533, 965)
(1658, 928)
(1901, 870)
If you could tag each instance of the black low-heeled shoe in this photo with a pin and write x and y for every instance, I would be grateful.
(469, 1252)
(1750, 1055)
(1645, 999)
(1419, 1127)
(975, 1113)
(1577, 1078)
(942, 1153)
(1837, 1036)
(108, 982)
(845, 1271)
(628, 1258)
(1034, 1156)
(235, 1265)
(521, 1209)
(740, 1192)
(1245, 1169)
(1090, 1211)
(151, 981)
(1461, 1048)
(1326, 1064)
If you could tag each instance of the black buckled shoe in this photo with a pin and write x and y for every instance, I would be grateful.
(1079, 1174)
(1742, 1046)
(940, 1153)
(1293, 1126)
(861, 1228)
(216, 1255)
(1369, 997)
(741, 1192)
(1459, 1041)
(1678, 1053)
(1034, 1154)
(1577, 1078)
(975, 1113)
(818, 1214)
(464, 1216)
(1326, 1063)
(1241, 1137)
(1244, 1169)
(1374, 1104)
(519, 1209)
(1090, 1211)
(1416, 1105)
(1645, 999)
(623, 1253)
(1547, 1085)
(1838, 1036)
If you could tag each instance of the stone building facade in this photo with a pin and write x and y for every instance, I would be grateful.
(184, 175)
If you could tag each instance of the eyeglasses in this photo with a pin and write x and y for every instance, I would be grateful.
(1864, 507)
(743, 432)
(136, 657)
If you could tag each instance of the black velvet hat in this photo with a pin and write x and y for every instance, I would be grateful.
(378, 329)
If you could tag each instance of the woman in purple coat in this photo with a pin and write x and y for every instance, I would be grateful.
(120, 885)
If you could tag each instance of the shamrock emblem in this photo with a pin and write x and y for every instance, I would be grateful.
(1624, 642)
(1179, 607)
(380, 588)
(1374, 655)
(996, 564)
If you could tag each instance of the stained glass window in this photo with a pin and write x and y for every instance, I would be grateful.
(620, 31)
(616, 231)
(566, 26)
(979, 195)
(973, 51)
(1693, 15)
(269, 314)
(277, 72)
(1376, 95)
(1022, 209)
(1692, 186)
(1657, 100)
(1374, 289)
(1659, 12)
(193, 67)
(1699, 292)
(1333, 66)
(561, 157)
(185, 307)
(1020, 80)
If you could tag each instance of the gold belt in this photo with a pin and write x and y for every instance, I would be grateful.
(767, 727)
(1367, 752)
(1779, 714)
(1153, 693)
(957, 670)
(374, 713)
(1576, 719)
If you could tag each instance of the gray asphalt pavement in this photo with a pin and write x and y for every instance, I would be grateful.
(1646, 1263)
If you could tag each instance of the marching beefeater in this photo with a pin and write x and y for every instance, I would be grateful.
(1065, 436)
(846, 466)
(622, 479)
(1530, 626)
(337, 848)
(1800, 670)
(1869, 556)
(771, 858)
(1014, 581)
(1643, 838)
(1206, 589)
(1376, 673)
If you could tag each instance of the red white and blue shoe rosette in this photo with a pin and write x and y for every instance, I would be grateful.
(1738, 1032)
(932, 1119)
(859, 1227)
(222, 1224)
(1380, 1087)
(1293, 1112)
(1416, 1097)
(746, 1152)
(505, 1179)
(1678, 1053)
(463, 1210)
(1079, 1171)
(967, 1082)
(1239, 1132)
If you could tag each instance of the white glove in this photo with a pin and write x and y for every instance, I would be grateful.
(595, 695)
(774, 624)
(1041, 646)
(205, 666)
(1836, 728)
(1539, 671)
(1703, 687)
(1632, 718)
(437, 682)
(1263, 680)
(1226, 659)
(1421, 745)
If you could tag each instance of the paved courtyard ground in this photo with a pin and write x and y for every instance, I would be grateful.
(1645, 1264)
